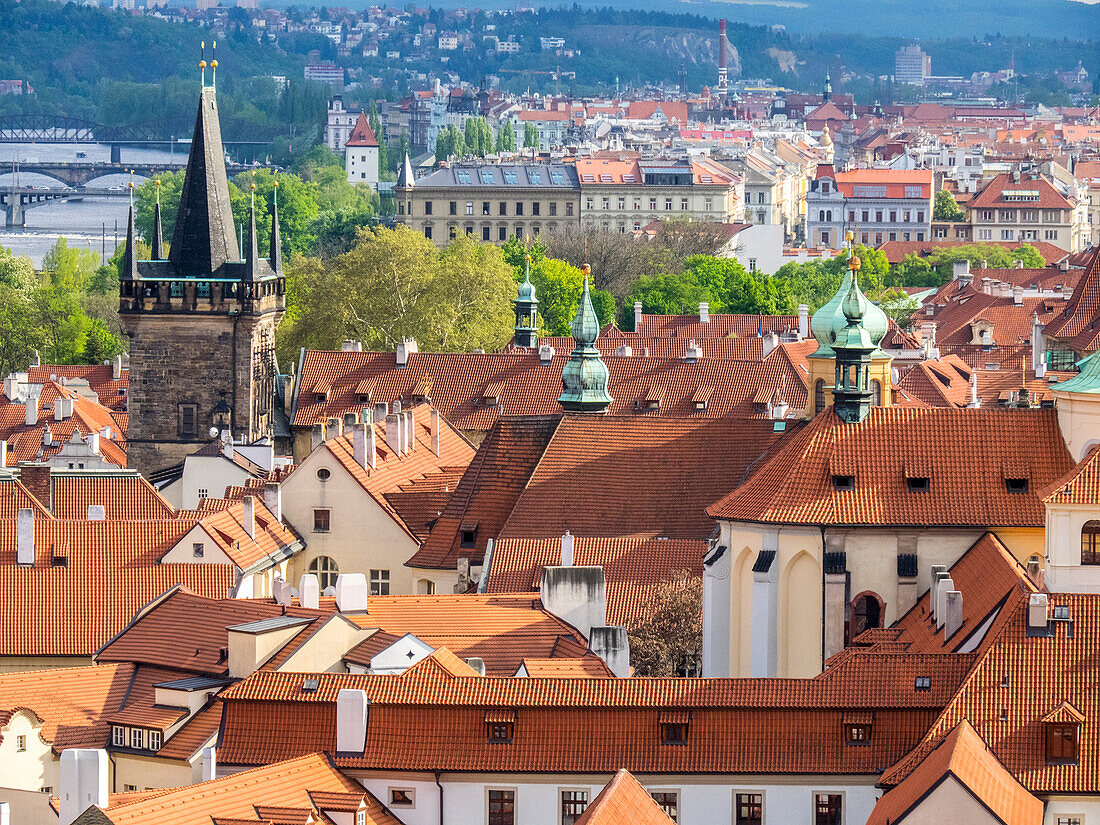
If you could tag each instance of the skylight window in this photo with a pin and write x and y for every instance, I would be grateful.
(536, 176)
(918, 484)
(1016, 485)
(487, 177)
(843, 483)
(510, 176)
(310, 685)
(557, 178)
(464, 176)
(922, 683)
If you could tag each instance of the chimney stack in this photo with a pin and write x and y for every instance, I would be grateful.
(393, 435)
(316, 436)
(350, 420)
(83, 782)
(960, 268)
(704, 312)
(576, 595)
(723, 71)
(1037, 616)
(944, 584)
(410, 431)
(567, 549)
(1017, 295)
(280, 590)
(351, 721)
(348, 345)
(248, 516)
(953, 609)
(4, 454)
(273, 499)
(624, 350)
(637, 315)
(406, 348)
(803, 321)
(362, 445)
(936, 572)
(32, 410)
(36, 478)
(208, 764)
(546, 354)
(351, 593)
(116, 368)
(24, 541)
(62, 409)
(770, 342)
(309, 591)
(435, 431)
(1035, 572)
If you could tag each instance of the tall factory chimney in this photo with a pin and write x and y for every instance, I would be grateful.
(723, 80)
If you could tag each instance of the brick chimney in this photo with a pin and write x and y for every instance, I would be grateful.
(36, 478)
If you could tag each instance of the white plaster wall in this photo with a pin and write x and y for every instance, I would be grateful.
(951, 796)
(31, 769)
(1088, 808)
(211, 473)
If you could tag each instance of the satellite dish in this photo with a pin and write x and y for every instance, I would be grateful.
(213, 432)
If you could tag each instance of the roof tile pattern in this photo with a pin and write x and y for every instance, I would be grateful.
(624, 802)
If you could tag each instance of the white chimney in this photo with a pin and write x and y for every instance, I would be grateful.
(351, 346)
(359, 446)
(410, 432)
(116, 367)
(393, 434)
(4, 453)
(309, 591)
(946, 583)
(380, 410)
(62, 408)
(704, 312)
(351, 720)
(351, 593)
(637, 315)
(1018, 295)
(281, 590)
(804, 321)
(960, 268)
(93, 444)
(24, 542)
(208, 764)
(406, 348)
(693, 352)
(1038, 347)
(567, 549)
(5, 813)
(953, 613)
(97, 512)
(1037, 616)
(770, 341)
(32, 410)
(624, 350)
(435, 430)
(938, 571)
(546, 354)
(273, 499)
(248, 516)
(83, 782)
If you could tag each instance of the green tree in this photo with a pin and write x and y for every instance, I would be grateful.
(898, 305)
(449, 143)
(516, 249)
(20, 334)
(395, 283)
(506, 138)
(913, 270)
(530, 136)
(16, 271)
(559, 286)
(667, 638)
(297, 209)
(68, 267)
(946, 208)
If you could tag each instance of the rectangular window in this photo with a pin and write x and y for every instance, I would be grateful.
(502, 233)
(573, 804)
(569, 209)
(503, 207)
(1071, 820)
(858, 734)
(500, 733)
(1061, 744)
(427, 207)
(653, 204)
(469, 207)
(668, 204)
(669, 802)
(878, 216)
(708, 204)
(1006, 234)
(828, 809)
(428, 232)
(380, 582)
(118, 736)
(893, 216)
(402, 797)
(606, 203)
(918, 485)
(197, 550)
(485, 233)
(866, 216)
(485, 208)
(502, 807)
(129, 788)
(454, 208)
(683, 204)
(1051, 234)
(519, 207)
(20, 743)
(674, 733)
(1016, 485)
(851, 216)
(748, 809)
(589, 203)
(553, 208)
(189, 420)
(535, 208)
(321, 521)
(137, 737)
(154, 740)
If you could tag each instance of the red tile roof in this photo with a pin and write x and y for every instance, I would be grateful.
(1076, 325)
(100, 377)
(362, 134)
(624, 802)
(992, 196)
(897, 182)
(25, 442)
(964, 756)
(1081, 485)
(968, 453)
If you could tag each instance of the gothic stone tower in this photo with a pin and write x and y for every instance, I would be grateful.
(201, 323)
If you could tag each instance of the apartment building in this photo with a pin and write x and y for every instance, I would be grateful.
(551, 127)
(1022, 208)
(879, 205)
(491, 202)
(625, 195)
(774, 191)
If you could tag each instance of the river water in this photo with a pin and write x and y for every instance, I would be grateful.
(94, 223)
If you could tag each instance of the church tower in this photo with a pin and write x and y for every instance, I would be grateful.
(584, 378)
(202, 321)
(526, 333)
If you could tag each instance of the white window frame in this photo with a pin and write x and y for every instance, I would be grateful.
(155, 740)
(137, 738)
(572, 789)
(763, 802)
(118, 736)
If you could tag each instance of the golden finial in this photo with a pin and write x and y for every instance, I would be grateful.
(253, 187)
(586, 270)
(156, 183)
(854, 263)
(213, 64)
(202, 63)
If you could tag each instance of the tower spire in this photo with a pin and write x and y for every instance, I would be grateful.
(854, 347)
(252, 261)
(526, 332)
(129, 257)
(584, 379)
(158, 233)
(275, 256)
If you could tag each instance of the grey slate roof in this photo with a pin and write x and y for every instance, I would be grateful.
(502, 176)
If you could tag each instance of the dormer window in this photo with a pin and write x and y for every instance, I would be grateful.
(500, 726)
(468, 536)
(922, 683)
(918, 485)
(844, 483)
(1016, 485)
(858, 734)
(674, 726)
(1062, 743)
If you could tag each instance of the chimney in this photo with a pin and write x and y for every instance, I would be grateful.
(349, 345)
(83, 782)
(62, 408)
(476, 664)
(36, 478)
(24, 541)
(1063, 265)
(693, 352)
(351, 721)
(960, 269)
(350, 420)
(316, 436)
(32, 410)
(546, 354)
(1038, 347)
(4, 453)
(248, 516)
(1035, 571)
(116, 368)
(567, 550)
(435, 430)
(280, 590)
(704, 313)
(393, 435)
(309, 591)
(770, 341)
(362, 445)
(612, 644)
(396, 406)
(937, 570)
(406, 348)
(273, 499)
(410, 432)
(380, 411)
(953, 609)
(93, 445)
(943, 584)
(351, 593)
(624, 350)
(1037, 605)
(335, 428)
(803, 321)
(1018, 295)
(637, 315)
(208, 764)
(576, 595)
(1019, 265)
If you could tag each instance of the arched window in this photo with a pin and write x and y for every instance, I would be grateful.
(866, 614)
(876, 393)
(326, 571)
(1090, 542)
(819, 395)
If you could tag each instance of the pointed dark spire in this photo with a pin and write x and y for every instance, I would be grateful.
(204, 237)
(129, 257)
(158, 233)
(252, 260)
(275, 257)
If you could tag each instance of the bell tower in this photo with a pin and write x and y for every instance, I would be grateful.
(526, 333)
(202, 320)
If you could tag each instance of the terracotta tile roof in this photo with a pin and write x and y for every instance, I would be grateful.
(624, 802)
(15, 497)
(896, 181)
(420, 502)
(25, 442)
(530, 388)
(251, 795)
(72, 703)
(633, 567)
(531, 475)
(1079, 318)
(992, 196)
(223, 521)
(195, 733)
(1041, 671)
(588, 667)
(139, 707)
(963, 755)
(125, 497)
(736, 725)
(992, 583)
(966, 449)
(719, 326)
(362, 134)
(100, 377)
(954, 311)
(1081, 485)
